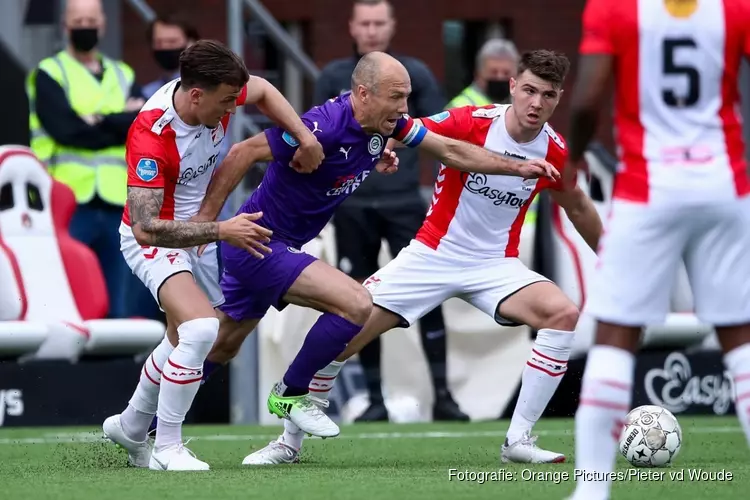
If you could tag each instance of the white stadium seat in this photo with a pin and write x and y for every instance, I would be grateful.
(52, 291)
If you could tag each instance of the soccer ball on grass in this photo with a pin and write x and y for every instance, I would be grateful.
(651, 437)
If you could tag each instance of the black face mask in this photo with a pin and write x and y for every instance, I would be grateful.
(169, 59)
(498, 90)
(84, 39)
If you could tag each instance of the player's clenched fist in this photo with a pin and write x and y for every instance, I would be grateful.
(242, 232)
(308, 157)
(534, 169)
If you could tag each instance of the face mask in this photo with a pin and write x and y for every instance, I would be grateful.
(84, 39)
(498, 90)
(169, 60)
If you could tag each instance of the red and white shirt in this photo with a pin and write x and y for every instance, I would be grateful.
(163, 152)
(478, 214)
(678, 124)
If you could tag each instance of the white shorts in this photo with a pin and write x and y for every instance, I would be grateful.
(640, 254)
(420, 279)
(154, 265)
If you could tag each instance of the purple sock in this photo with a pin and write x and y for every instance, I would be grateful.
(209, 367)
(324, 342)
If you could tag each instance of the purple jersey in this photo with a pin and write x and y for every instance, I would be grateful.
(296, 207)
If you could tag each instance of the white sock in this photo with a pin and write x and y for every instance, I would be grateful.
(542, 375)
(137, 417)
(320, 387)
(737, 362)
(181, 378)
(605, 400)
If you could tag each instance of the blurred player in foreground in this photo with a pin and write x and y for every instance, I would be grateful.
(681, 192)
(353, 129)
(468, 248)
(171, 154)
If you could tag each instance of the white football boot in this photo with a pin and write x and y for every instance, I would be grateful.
(274, 453)
(139, 453)
(525, 451)
(176, 458)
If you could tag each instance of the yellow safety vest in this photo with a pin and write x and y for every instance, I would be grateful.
(86, 172)
(470, 96)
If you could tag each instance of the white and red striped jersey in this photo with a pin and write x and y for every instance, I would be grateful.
(163, 152)
(677, 118)
(477, 214)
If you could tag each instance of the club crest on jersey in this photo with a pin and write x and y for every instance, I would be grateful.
(146, 169)
(375, 147)
(217, 134)
(681, 8)
(289, 139)
(440, 117)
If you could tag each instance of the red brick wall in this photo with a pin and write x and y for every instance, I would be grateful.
(419, 31)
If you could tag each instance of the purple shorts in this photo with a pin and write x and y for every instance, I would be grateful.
(251, 285)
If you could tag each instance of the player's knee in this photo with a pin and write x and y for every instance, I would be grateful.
(199, 331)
(563, 318)
(359, 307)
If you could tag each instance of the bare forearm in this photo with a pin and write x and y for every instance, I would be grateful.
(275, 106)
(177, 233)
(583, 127)
(587, 222)
(145, 206)
(469, 158)
(231, 171)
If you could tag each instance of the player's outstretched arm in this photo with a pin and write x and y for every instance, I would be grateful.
(470, 158)
(145, 205)
(231, 171)
(274, 105)
(149, 230)
(581, 212)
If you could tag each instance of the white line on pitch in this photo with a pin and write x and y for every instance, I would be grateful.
(91, 437)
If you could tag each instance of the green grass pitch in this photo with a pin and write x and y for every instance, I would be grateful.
(365, 462)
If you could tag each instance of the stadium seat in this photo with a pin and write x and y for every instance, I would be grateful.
(49, 280)
(574, 261)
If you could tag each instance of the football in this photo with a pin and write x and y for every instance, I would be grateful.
(651, 437)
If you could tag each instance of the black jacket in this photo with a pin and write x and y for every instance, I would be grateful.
(426, 99)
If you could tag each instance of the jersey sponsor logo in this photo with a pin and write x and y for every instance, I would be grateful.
(477, 184)
(514, 155)
(146, 169)
(289, 139)
(681, 8)
(347, 184)
(376, 144)
(440, 117)
(191, 173)
(293, 250)
(217, 134)
(488, 112)
(345, 151)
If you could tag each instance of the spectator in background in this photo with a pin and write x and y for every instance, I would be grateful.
(168, 37)
(495, 65)
(82, 104)
(389, 207)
